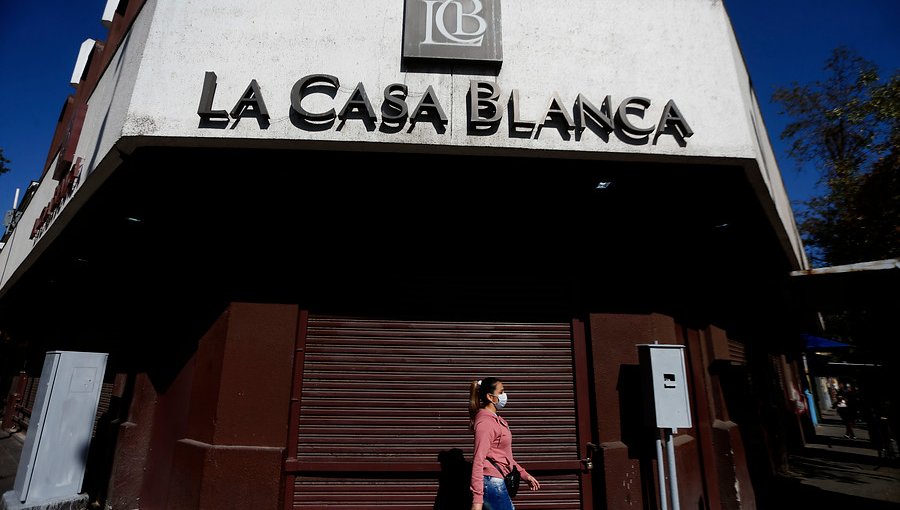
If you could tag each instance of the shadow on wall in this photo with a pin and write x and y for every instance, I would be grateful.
(101, 454)
(633, 430)
(636, 433)
(453, 489)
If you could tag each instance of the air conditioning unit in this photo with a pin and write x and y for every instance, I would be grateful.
(54, 456)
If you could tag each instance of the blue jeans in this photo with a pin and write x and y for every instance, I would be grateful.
(495, 495)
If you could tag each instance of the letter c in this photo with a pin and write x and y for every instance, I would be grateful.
(323, 83)
(623, 120)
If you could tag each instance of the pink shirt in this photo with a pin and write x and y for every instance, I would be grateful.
(492, 439)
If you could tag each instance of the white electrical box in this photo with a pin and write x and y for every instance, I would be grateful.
(59, 431)
(665, 382)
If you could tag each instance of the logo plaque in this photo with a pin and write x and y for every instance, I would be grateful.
(467, 30)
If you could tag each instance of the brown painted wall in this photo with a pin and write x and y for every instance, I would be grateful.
(169, 424)
(728, 476)
(690, 474)
(614, 338)
(710, 456)
(620, 483)
(132, 447)
(216, 436)
(628, 476)
(208, 370)
(698, 363)
(735, 487)
(220, 477)
(232, 453)
(255, 391)
(212, 432)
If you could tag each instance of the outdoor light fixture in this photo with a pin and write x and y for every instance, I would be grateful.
(603, 184)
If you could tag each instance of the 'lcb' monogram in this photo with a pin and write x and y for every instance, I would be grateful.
(438, 17)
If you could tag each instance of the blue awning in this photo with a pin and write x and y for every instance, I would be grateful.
(819, 343)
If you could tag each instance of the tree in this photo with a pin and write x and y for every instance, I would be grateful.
(3, 162)
(848, 128)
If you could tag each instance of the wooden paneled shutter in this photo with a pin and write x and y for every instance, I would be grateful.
(382, 401)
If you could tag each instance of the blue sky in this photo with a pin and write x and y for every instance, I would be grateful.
(782, 40)
(785, 41)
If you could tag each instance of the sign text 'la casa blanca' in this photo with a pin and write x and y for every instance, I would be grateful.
(438, 32)
(486, 107)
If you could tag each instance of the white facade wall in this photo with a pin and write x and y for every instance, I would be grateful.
(19, 246)
(765, 170)
(659, 50)
(683, 50)
(108, 106)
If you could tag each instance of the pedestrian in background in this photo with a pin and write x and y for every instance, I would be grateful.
(846, 409)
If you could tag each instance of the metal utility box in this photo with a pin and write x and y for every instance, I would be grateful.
(59, 432)
(665, 383)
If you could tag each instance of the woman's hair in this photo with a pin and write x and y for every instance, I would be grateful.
(478, 395)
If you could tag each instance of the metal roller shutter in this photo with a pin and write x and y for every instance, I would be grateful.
(378, 493)
(381, 400)
(31, 389)
(102, 405)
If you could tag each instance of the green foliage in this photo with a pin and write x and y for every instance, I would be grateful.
(848, 127)
(3, 162)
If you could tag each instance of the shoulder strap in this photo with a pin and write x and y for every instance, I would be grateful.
(495, 465)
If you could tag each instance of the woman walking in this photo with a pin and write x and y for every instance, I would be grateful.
(493, 440)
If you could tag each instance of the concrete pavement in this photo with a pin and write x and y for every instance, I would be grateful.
(833, 471)
(10, 451)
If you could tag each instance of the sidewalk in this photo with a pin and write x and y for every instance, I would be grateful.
(836, 472)
(10, 451)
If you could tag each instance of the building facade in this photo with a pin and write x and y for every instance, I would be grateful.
(300, 230)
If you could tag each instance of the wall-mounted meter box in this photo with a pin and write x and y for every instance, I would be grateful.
(59, 432)
(665, 385)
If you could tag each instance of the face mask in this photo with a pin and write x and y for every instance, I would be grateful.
(501, 400)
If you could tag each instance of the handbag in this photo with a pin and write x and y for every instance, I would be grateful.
(511, 479)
